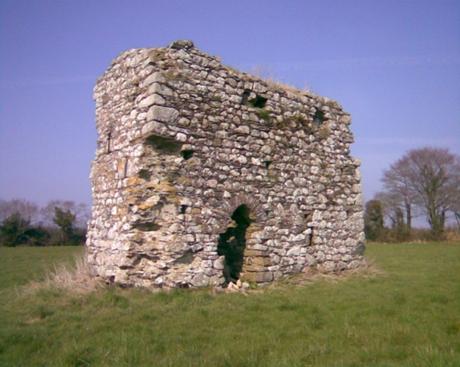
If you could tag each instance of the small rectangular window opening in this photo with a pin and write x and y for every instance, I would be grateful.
(187, 154)
(258, 102)
(318, 118)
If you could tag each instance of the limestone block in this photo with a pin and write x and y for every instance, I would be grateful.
(257, 277)
(156, 77)
(243, 129)
(161, 89)
(154, 99)
(219, 263)
(163, 114)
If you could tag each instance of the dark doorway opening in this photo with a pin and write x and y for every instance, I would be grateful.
(233, 242)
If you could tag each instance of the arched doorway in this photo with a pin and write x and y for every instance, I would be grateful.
(233, 242)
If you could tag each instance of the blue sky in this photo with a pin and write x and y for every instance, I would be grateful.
(394, 65)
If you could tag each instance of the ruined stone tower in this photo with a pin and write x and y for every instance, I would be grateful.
(204, 175)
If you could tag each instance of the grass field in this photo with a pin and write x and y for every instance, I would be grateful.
(409, 316)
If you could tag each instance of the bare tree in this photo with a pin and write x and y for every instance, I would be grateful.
(397, 186)
(26, 209)
(80, 211)
(428, 178)
(391, 206)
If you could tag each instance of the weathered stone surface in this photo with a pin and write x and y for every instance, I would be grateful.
(183, 142)
(156, 77)
(258, 277)
(243, 129)
(151, 100)
(179, 44)
(162, 114)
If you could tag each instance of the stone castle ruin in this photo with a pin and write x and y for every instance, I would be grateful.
(204, 175)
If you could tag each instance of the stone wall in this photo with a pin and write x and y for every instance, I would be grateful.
(183, 141)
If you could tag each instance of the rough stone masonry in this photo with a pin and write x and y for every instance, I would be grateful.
(204, 175)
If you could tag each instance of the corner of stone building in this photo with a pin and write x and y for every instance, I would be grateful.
(179, 150)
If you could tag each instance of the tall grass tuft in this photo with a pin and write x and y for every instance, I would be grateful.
(76, 277)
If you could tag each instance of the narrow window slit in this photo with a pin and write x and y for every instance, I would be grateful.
(308, 218)
(109, 138)
(246, 94)
(125, 171)
(310, 237)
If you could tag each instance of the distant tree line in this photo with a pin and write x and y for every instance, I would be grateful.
(424, 182)
(57, 223)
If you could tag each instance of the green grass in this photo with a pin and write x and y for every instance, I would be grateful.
(410, 316)
(19, 265)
